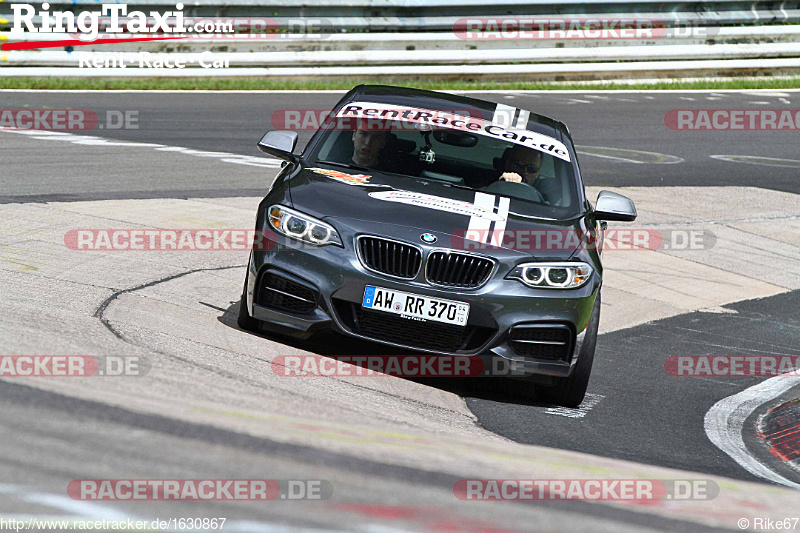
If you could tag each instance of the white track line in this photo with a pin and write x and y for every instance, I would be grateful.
(758, 160)
(89, 140)
(724, 424)
(583, 409)
(80, 509)
(668, 159)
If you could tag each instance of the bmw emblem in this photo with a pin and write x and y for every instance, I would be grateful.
(428, 237)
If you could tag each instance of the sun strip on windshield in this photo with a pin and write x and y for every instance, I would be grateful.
(378, 112)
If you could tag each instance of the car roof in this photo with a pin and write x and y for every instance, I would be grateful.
(440, 100)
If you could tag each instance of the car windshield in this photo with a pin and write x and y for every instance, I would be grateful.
(541, 184)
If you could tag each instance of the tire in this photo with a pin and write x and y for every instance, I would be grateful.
(570, 391)
(245, 321)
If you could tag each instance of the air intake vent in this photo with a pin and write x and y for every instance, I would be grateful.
(389, 257)
(543, 341)
(457, 270)
(277, 292)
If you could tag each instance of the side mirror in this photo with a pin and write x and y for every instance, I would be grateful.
(280, 144)
(613, 206)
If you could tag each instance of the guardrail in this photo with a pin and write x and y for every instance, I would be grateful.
(432, 42)
(441, 15)
(421, 38)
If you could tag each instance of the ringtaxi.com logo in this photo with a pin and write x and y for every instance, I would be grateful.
(87, 23)
(68, 119)
(72, 365)
(114, 21)
(636, 490)
(199, 489)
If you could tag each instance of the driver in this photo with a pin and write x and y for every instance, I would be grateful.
(367, 145)
(521, 165)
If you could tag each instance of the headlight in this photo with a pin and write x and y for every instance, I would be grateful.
(302, 227)
(552, 275)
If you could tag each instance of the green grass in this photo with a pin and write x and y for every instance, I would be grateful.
(249, 84)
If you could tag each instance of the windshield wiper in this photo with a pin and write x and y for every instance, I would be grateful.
(467, 187)
(345, 165)
(358, 167)
(445, 182)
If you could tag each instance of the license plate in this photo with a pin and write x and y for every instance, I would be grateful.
(415, 306)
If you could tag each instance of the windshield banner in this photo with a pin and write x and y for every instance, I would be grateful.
(444, 119)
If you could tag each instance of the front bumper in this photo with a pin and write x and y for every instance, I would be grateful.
(499, 310)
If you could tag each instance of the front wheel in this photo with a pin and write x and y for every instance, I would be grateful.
(245, 321)
(571, 390)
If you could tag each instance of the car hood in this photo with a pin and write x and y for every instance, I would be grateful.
(404, 207)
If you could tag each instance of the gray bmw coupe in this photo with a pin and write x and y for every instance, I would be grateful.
(440, 224)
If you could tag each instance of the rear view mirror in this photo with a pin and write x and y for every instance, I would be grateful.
(456, 138)
(279, 144)
(613, 206)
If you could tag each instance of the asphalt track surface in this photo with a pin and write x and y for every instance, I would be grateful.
(645, 414)
(637, 412)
